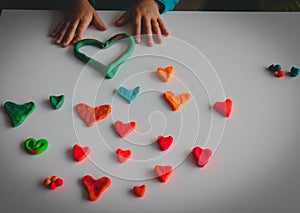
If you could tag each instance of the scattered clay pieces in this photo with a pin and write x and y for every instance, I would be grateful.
(80, 153)
(18, 113)
(123, 155)
(34, 147)
(139, 191)
(123, 129)
(53, 182)
(176, 102)
(129, 95)
(95, 187)
(163, 173)
(57, 101)
(164, 142)
(201, 156)
(294, 72)
(165, 73)
(224, 108)
(91, 115)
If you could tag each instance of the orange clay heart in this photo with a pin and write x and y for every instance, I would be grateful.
(163, 173)
(91, 115)
(139, 191)
(176, 102)
(95, 187)
(123, 155)
(165, 73)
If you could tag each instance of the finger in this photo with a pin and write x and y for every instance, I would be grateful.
(83, 25)
(69, 35)
(98, 22)
(137, 28)
(156, 31)
(62, 32)
(148, 29)
(122, 20)
(57, 28)
(163, 27)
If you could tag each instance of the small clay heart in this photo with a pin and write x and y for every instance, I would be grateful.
(80, 153)
(201, 156)
(164, 142)
(35, 147)
(224, 108)
(176, 102)
(129, 95)
(123, 155)
(163, 173)
(90, 114)
(165, 73)
(123, 129)
(95, 187)
(139, 191)
(57, 101)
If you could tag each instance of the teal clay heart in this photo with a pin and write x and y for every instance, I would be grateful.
(57, 101)
(19, 112)
(112, 68)
(129, 95)
(35, 147)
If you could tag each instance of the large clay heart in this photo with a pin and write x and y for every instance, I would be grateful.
(18, 112)
(123, 129)
(95, 187)
(164, 142)
(35, 147)
(91, 115)
(112, 68)
(224, 108)
(80, 153)
(163, 173)
(176, 102)
(201, 156)
(129, 95)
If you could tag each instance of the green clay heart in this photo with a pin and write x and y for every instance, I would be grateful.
(57, 101)
(18, 113)
(112, 68)
(35, 147)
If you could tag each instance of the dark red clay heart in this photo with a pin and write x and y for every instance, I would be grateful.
(80, 153)
(123, 155)
(163, 173)
(94, 187)
(224, 108)
(164, 142)
(139, 191)
(201, 156)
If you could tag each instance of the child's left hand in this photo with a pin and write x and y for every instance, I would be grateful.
(146, 18)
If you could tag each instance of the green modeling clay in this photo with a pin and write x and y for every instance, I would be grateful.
(35, 147)
(112, 68)
(57, 101)
(18, 113)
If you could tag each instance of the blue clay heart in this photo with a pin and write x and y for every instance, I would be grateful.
(129, 95)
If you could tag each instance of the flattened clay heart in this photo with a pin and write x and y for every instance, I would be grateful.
(18, 113)
(201, 156)
(123, 129)
(165, 73)
(164, 142)
(129, 95)
(80, 153)
(176, 102)
(91, 115)
(123, 155)
(224, 108)
(112, 68)
(57, 101)
(139, 191)
(35, 147)
(163, 173)
(95, 187)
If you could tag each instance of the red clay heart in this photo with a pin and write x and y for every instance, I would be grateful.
(95, 187)
(201, 156)
(165, 73)
(91, 115)
(164, 142)
(139, 191)
(279, 73)
(123, 129)
(80, 153)
(224, 108)
(163, 173)
(123, 155)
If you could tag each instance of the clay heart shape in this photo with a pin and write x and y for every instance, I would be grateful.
(129, 95)
(163, 173)
(35, 147)
(112, 68)
(94, 187)
(123, 155)
(57, 101)
(279, 73)
(139, 191)
(165, 73)
(176, 102)
(201, 156)
(224, 108)
(19, 112)
(123, 129)
(164, 142)
(91, 115)
(80, 153)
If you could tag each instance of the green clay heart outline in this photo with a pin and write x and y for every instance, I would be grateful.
(112, 68)
(35, 147)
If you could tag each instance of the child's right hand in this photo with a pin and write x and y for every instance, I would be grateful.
(79, 15)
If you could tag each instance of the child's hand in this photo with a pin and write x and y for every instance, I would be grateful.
(146, 17)
(78, 17)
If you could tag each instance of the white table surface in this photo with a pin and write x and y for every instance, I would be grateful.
(255, 166)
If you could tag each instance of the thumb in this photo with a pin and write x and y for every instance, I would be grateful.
(122, 20)
(98, 22)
